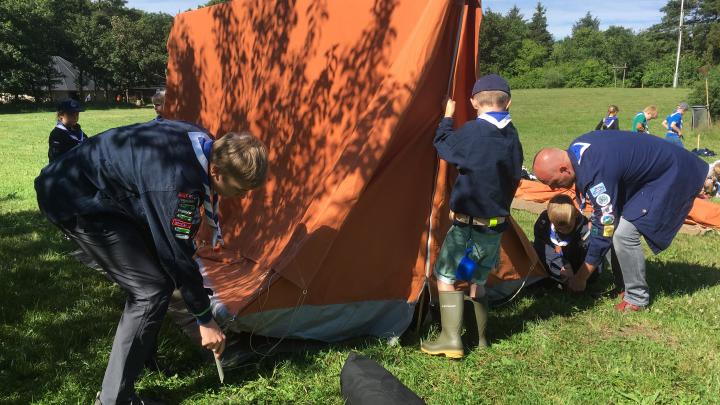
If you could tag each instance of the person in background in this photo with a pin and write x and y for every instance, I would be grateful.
(640, 121)
(673, 124)
(610, 121)
(158, 100)
(67, 133)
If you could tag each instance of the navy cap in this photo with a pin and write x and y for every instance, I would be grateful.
(70, 105)
(490, 83)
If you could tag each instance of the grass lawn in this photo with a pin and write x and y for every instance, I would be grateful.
(57, 319)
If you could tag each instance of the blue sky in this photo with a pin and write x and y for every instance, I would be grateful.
(561, 14)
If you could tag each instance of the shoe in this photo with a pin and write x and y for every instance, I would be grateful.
(448, 342)
(476, 333)
(625, 306)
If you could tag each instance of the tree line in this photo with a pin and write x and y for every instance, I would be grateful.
(115, 46)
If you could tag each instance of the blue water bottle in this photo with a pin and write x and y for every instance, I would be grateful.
(466, 267)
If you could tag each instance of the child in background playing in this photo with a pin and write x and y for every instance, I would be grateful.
(67, 133)
(611, 121)
(673, 124)
(640, 122)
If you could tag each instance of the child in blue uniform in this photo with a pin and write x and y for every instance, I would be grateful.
(488, 155)
(673, 124)
(67, 133)
(561, 238)
(131, 198)
(610, 121)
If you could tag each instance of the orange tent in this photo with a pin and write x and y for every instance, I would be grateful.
(347, 96)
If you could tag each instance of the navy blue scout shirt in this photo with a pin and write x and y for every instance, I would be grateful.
(555, 248)
(63, 139)
(645, 179)
(488, 156)
(147, 173)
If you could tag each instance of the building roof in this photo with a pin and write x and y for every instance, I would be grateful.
(68, 76)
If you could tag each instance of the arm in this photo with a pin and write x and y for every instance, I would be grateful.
(615, 125)
(445, 141)
(676, 129)
(639, 127)
(665, 124)
(599, 125)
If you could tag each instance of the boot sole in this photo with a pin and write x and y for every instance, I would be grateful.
(451, 354)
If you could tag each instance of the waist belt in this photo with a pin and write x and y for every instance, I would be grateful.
(466, 219)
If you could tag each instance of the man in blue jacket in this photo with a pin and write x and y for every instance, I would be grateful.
(130, 198)
(637, 185)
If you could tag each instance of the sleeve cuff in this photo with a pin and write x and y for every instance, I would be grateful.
(204, 317)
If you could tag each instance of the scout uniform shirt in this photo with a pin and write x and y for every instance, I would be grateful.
(488, 156)
(609, 122)
(155, 175)
(554, 248)
(63, 139)
(646, 180)
(675, 117)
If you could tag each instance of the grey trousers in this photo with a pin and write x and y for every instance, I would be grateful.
(631, 258)
(125, 253)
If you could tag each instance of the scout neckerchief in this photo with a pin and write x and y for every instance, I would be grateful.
(72, 135)
(557, 240)
(500, 119)
(202, 145)
(609, 121)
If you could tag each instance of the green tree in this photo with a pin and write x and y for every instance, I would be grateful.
(538, 30)
(588, 22)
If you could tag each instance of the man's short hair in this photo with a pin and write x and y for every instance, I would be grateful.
(243, 157)
(158, 97)
(561, 211)
(493, 98)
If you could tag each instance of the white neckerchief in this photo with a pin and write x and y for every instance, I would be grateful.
(210, 199)
(73, 136)
(502, 123)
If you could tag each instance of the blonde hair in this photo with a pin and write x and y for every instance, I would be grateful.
(159, 97)
(242, 156)
(651, 109)
(561, 211)
(493, 98)
(716, 169)
(613, 109)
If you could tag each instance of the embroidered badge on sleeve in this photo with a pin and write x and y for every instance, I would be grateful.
(187, 218)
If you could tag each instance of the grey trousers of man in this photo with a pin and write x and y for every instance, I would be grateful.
(125, 253)
(631, 258)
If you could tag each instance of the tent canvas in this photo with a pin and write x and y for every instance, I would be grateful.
(347, 96)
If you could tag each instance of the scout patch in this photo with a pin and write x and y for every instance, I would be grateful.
(598, 189)
(608, 230)
(607, 210)
(187, 218)
(603, 199)
(607, 220)
(595, 231)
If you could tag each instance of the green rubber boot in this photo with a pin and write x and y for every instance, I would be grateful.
(481, 307)
(448, 343)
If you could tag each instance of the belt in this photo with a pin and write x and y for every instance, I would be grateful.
(466, 219)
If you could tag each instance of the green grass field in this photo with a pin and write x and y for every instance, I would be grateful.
(57, 318)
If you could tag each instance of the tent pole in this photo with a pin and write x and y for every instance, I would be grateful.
(453, 63)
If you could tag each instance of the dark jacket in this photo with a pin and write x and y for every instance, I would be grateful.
(488, 160)
(551, 254)
(147, 173)
(646, 180)
(62, 140)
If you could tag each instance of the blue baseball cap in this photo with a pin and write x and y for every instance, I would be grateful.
(70, 105)
(490, 83)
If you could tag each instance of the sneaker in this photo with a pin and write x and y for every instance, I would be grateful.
(625, 306)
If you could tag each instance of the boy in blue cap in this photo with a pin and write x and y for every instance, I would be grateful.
(488, 155)
(67, 133)
(673, 124)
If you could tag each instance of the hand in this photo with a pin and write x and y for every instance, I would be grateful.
(449, 108)
(576, 284)
(212, 338)
(565, 275)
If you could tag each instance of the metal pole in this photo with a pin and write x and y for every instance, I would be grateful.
(677, 59)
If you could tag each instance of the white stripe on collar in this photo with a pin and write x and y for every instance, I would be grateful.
(73, 136)
(500, 124)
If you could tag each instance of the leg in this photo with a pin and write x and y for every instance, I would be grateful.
(448, 342)
(120, 249)
(631, 258)
(616, 272)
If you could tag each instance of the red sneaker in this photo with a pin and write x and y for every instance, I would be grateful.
(625, 306)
